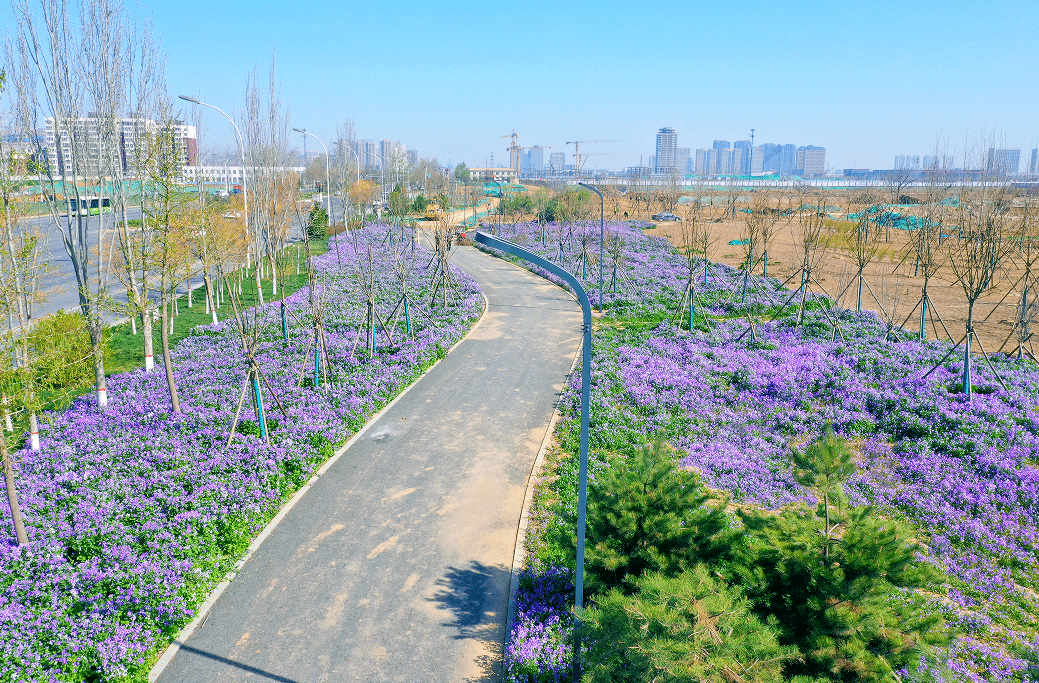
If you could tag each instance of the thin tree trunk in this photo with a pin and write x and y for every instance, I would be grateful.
(210, 299)
(34, 432)
(967, 388)
(259, 286)
(12, 494)
(95, 329)
(167, 362)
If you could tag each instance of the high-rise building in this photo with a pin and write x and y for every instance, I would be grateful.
(533, 161)
(667, 150)
(1003, 161)
(721, 144)
(556, 161)
(811, 160)
(700, 162)
(788, 159)
(743, 145)
(771, 157)
(387, 150)
(757, 160)
(366, 154)
(717, 161)
(910, 161)
(1033, 167)
(683, 162)
(931, 162)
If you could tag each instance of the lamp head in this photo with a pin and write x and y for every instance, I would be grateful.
(189, 99)
(300, 130)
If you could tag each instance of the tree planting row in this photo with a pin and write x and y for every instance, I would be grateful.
(134, 511)
(821, 500)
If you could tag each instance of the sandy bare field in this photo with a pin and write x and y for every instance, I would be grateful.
(891, 278)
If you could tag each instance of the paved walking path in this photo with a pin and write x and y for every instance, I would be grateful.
(395, 566)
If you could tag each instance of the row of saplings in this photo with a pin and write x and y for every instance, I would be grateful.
(681, 592)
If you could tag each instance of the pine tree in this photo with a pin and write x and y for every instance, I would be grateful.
(647, 514)
(842, 581)
(317, 225)
(692, 628)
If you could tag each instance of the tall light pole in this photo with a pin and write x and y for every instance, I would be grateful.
(328, 184)
(586, 383)
(750, 171)
(602, 236)
(350, 149)
(500, 197)
(245, 186)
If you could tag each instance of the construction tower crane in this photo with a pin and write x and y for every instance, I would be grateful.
(577, 152)
(514, 152)
(585, 156)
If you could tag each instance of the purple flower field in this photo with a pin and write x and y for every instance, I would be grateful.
(964, 473)
(134, 513)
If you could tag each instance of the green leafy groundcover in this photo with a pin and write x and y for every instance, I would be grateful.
(934, 532)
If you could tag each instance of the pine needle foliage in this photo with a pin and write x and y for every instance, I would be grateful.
(841, 581)
(691, 628)
(317, 224)
(646, 514)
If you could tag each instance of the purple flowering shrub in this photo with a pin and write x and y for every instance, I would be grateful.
(965, 474)
(539, 648)
(134, 512)
(646, 279)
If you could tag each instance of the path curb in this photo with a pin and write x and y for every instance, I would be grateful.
(524, 520)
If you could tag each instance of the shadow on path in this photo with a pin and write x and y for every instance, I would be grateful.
(237, 665)
(465, 593)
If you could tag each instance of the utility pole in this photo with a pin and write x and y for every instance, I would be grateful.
(750, 171)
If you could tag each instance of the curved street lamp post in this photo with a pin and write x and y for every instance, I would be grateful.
(241, 146)
(328, 178)
(586, 375)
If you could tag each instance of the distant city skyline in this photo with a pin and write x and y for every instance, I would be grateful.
(816, 76)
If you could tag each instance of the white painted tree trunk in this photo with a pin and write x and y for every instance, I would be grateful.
(34, 432)
(149, 343)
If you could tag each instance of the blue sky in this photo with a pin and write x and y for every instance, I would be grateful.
(866, 80)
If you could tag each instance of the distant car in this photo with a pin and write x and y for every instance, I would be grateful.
(665, 216)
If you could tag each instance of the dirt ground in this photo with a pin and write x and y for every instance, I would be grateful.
(891, 279)
(893, 290)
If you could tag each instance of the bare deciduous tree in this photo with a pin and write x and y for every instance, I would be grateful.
(71, 69)
(272, 191)
(977, 257)
(926, 237)
(810, 240)
(670, 192)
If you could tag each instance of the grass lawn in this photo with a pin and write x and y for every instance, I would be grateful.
(125, 350)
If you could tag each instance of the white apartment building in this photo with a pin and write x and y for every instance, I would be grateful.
(227, 175)
(104, 149)
(811, 160)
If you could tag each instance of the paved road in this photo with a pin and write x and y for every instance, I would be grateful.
(59, 286)
(395, 566)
